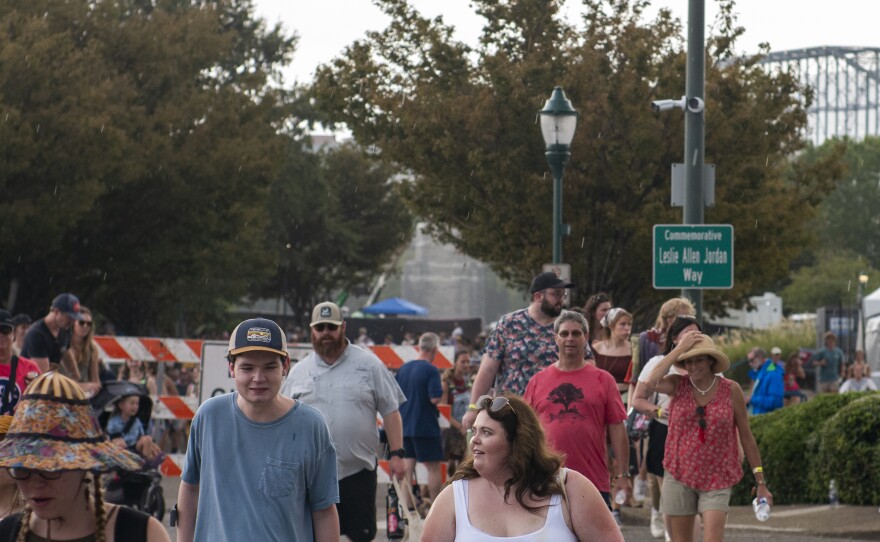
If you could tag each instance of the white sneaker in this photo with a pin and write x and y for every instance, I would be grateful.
(640, 493)
(657, 527)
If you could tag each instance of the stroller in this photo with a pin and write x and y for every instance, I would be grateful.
(141, 490)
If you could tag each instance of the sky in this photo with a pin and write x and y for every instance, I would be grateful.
(326, 27)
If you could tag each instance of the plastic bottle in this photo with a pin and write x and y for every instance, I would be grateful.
(620, 497)
(833, 497)
(392, 520)
(761, 508)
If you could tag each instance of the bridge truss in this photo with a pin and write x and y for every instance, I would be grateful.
(846, 87)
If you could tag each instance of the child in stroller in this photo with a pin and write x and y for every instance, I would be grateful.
(128, 427)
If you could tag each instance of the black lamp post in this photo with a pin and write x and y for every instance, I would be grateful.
(863, 281)
(558, 121)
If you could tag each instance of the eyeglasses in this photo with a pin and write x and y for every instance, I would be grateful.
(321, 327)
(495, 404)
(84, 323)
(18, 473)
(574, 333)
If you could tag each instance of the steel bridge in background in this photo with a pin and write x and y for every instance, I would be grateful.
(846, 88)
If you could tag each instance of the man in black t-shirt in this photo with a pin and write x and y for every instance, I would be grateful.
(48, 338)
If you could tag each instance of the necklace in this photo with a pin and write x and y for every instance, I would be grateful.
(707, 390)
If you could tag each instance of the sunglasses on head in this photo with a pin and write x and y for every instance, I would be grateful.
(19, 473)
(493, 404)
(321, 327)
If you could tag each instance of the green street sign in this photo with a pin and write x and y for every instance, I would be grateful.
(693, 256)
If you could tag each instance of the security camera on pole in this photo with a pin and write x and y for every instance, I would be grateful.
(707, 253)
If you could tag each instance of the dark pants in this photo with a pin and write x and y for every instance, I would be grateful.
(357, 506)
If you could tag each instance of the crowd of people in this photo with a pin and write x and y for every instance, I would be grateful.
(537, 439)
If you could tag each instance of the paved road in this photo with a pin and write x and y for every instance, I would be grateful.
(807, 523)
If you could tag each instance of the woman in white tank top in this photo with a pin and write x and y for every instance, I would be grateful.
(509, 488)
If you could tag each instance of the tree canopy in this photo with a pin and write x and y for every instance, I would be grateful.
(462, 121)
(143, 144)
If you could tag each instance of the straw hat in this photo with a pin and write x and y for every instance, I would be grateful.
(54, 430)
(706, 347)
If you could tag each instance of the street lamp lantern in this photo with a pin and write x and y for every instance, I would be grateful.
(863, 279)
(558, 122)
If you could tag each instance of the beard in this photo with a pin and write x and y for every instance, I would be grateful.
(328, 347)
(551, 310)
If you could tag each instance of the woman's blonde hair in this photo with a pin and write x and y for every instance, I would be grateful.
(86, 353)
(674, 307)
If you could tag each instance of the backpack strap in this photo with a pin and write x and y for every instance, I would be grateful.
(9, 527)
(131, 525)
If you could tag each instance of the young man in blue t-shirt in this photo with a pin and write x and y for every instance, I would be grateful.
(259, 466)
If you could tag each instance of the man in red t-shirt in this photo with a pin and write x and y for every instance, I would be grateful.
(25, 369)
(577, 403)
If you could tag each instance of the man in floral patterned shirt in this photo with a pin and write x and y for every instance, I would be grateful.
(522, 344)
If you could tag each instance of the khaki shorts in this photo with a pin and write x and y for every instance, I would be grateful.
(677, 499)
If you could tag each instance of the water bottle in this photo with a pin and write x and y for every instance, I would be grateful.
(620, 497)
(762, 509)
(833, 497)
(392, 519)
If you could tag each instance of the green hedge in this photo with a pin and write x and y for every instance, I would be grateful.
(803, 445)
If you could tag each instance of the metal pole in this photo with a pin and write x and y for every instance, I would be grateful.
(557, 156)
(694, 140)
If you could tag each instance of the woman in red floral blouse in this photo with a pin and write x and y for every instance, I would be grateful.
(707, 413)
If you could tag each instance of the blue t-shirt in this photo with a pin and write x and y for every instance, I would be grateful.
(259, 481)
(831, 371)
(420, 382)
(116, 424)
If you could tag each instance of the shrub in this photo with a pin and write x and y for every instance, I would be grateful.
(847, 448)
(782, 438)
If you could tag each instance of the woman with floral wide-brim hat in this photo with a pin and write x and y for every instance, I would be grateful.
(55, 451)
(707, 413)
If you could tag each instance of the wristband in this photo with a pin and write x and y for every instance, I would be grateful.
(624, 475)
(659, 412)
(756, 470)
(472, 407)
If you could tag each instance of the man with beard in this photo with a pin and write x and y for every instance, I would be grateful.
(349, 385)
(522, 343)
(48, 339)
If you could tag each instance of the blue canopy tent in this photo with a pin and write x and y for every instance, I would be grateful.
(395, 305)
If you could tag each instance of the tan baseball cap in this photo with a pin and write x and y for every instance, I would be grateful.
(326, 313)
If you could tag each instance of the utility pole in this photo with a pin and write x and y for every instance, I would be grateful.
(694, 137)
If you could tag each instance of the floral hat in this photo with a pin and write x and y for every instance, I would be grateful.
(54, 430)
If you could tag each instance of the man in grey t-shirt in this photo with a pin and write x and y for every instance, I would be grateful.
(349, 385)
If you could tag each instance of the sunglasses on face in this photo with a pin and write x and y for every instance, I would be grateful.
(321, 327)
(18, 473)
(574, 333)
(84, 323)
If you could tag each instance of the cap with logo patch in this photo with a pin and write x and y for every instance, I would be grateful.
(326, 313)
(68, 304)
(258, 334)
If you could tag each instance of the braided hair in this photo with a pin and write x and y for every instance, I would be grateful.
(96, 504)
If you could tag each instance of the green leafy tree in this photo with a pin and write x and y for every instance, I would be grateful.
(831, 281)
(850, 216)
(140, 141)
(462, 121)
(337, 220)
